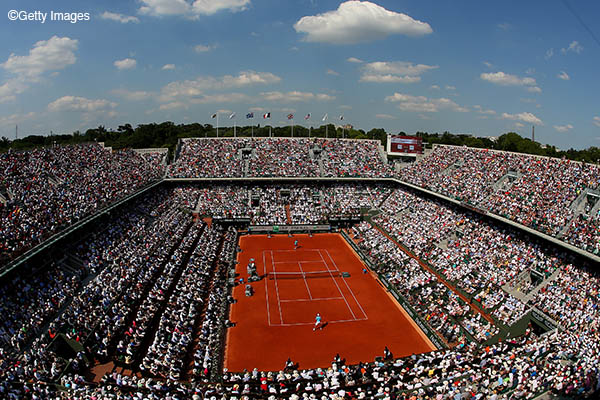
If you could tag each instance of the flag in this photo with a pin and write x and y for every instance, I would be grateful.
(232, 115)
(250, 115)
(290, 116)
(325, 118)
(267, 115)
(341, 117)
(214, 116)
(307, 116)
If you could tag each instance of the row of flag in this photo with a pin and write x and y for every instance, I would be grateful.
(268, 115)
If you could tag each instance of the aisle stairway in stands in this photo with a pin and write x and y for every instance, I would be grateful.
(167, 294)
(321, 169)
(217, 279)
(149, 334)
(578, 207)
(189, 359)
(513, 289)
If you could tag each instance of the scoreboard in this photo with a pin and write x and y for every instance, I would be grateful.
(405, 144)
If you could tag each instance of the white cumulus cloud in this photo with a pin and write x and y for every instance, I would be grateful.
(563, 128)
(174, 105)
(119, 17)
(209, 7)
(74, 103)
(394, 72)
(295, 96)
(167, 67)
(481, 110)
(354, 60)
(53, 54)
(358, 21)
(574, 47)
(221, 98)
(504, 79)
(407, 102)
(596, 121)
(201, 48)
(563, 75)
(46, 56)
(133, 95)
(388, 78)
(15, 119)
(523, 117)
(190, 9)
(126, 63)
(197, 87)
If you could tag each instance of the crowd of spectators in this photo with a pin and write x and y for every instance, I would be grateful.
(269, 204)
(30, 301)
(353, 158)
(173, 338)
(279, 157)
(443, 310)
(538, 192)
(141, 274)
(204, 158)
(349, 199)
(584, 232)
(48, 189)
(283, 157)
(155, 277)
(155, 158)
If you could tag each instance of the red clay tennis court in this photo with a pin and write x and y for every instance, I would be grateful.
(360, 317)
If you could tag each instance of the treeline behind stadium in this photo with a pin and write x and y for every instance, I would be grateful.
(167, 134)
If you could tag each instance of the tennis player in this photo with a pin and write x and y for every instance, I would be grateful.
(318, 323)
(295, 244)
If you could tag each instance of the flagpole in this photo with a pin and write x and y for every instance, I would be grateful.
(217, 124)
(252, 130)
(234, 132)
(292, 126)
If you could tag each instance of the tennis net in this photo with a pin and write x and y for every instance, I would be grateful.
(303, 275)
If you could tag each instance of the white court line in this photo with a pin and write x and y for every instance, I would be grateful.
(281, 251)
(327, 322)
(266, 289)
(277, 291)
(313, 299)
(306, 283)
(338, 286)
(291, 262)
(351, 292)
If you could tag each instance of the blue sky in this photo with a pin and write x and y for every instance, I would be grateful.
(475, 67)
